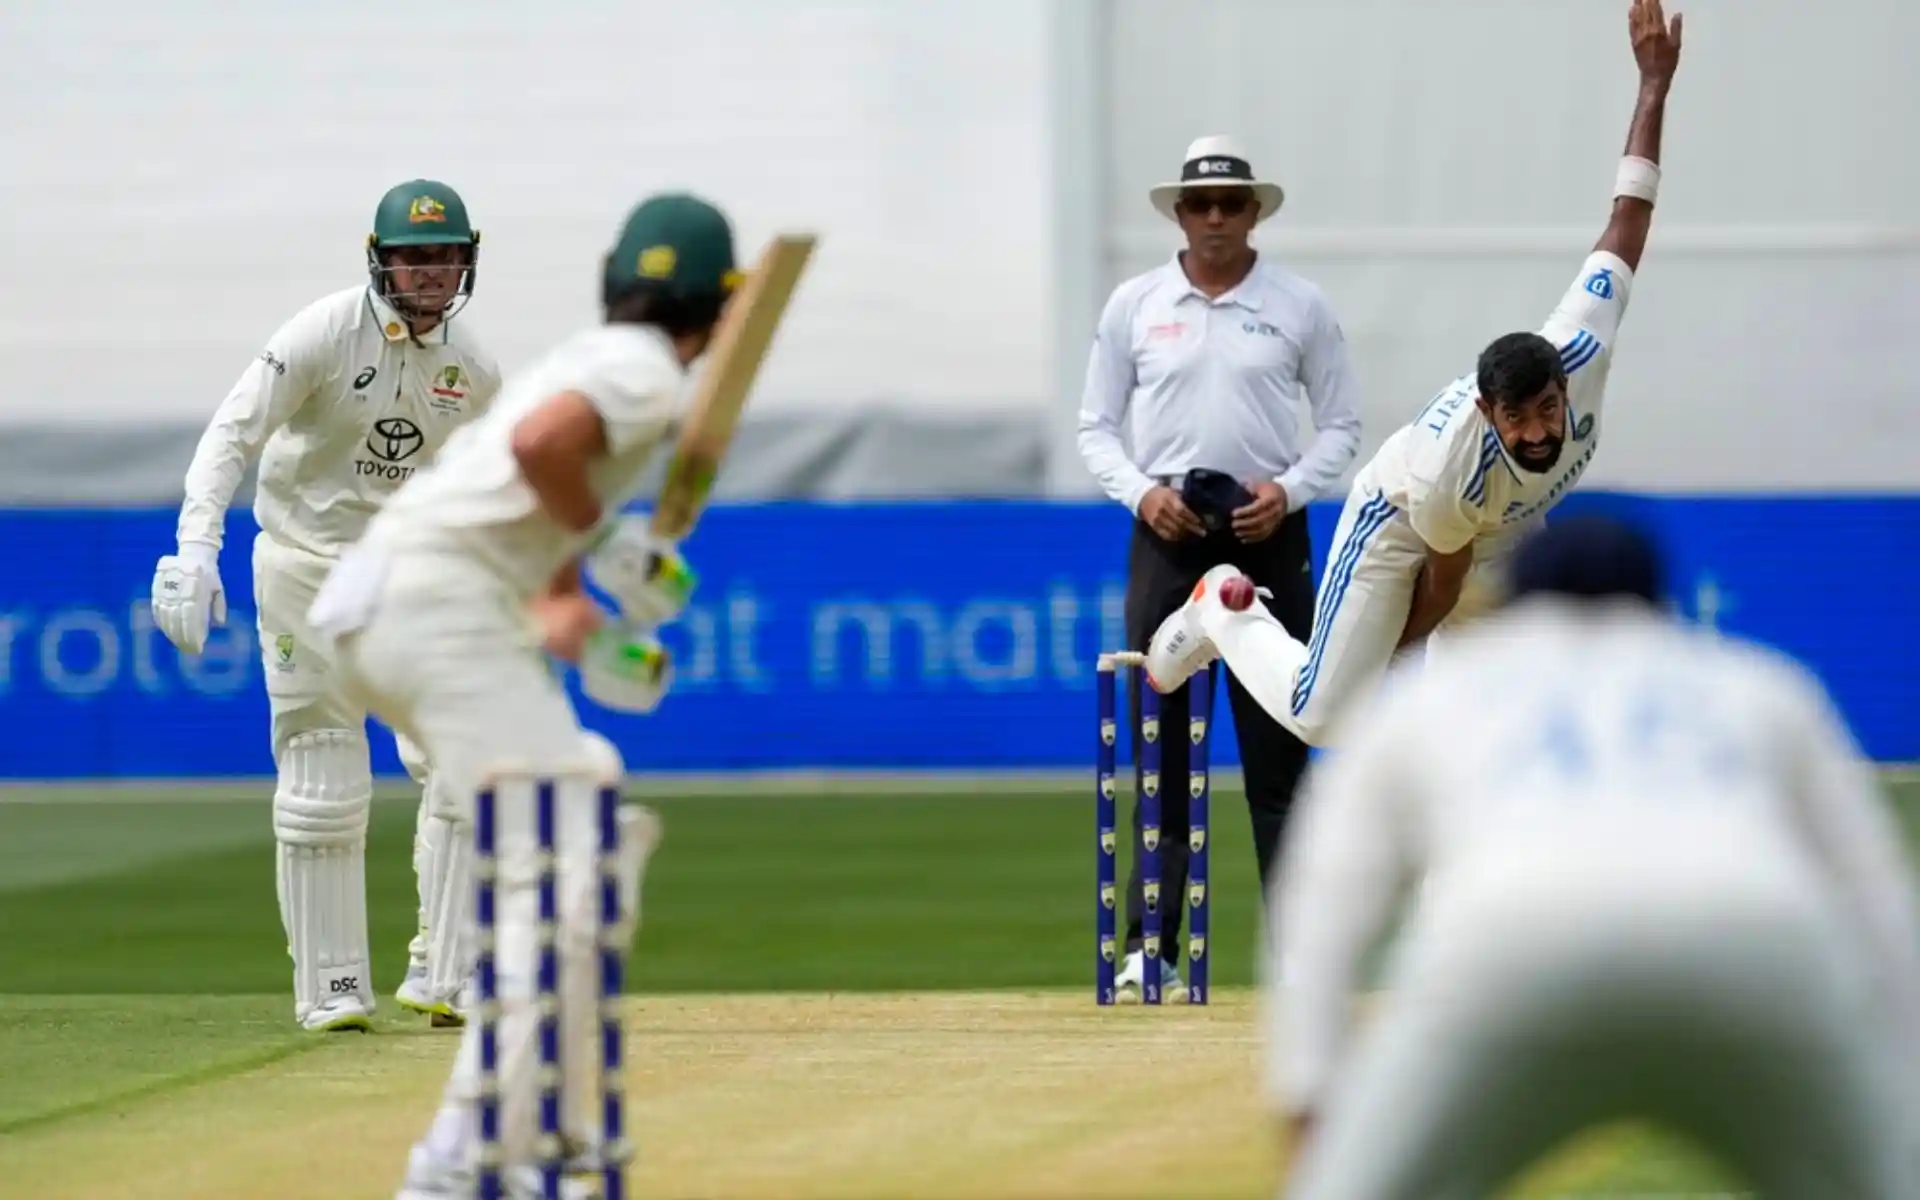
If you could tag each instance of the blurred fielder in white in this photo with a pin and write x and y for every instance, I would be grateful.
(1432, 515)
(347, 400)
(1657, 881)
(444, 617)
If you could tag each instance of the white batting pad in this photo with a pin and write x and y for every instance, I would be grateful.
(640, 833)
(320, 820)
(446, 890)
(414, 759)
(422, 884)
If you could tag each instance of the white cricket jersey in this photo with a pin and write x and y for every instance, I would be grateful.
(1447, 469)
(474, 499)
(341, 407)
(1589, 737)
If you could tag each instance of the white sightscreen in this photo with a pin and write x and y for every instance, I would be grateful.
(181, 177)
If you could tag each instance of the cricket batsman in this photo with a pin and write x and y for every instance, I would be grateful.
(1660, 884)
(348, 399)
(1433, 516)
(447, 614)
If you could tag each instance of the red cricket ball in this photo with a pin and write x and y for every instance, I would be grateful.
(1237, 593)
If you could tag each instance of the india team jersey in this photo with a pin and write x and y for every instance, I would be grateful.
(474, 498)
(341, 408)
(1447, 469)
(1565, 735)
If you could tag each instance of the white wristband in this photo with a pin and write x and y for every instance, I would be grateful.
(1638, 178)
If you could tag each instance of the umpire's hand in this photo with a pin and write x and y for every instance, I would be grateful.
(1168, 515)
(1257, 521)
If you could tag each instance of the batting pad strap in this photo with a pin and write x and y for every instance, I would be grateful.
(1638, 179)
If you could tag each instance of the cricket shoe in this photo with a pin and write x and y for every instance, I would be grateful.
(1126, 982)
(1180, 648)
(339, 1014)
(414, 995)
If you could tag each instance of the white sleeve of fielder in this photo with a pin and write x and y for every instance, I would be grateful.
(1334, 396)
(1853, 833)
(1343, 868)
(1587, 320)
(1103, 405)
(267, 393)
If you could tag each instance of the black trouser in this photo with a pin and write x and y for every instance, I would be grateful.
(1160, 576)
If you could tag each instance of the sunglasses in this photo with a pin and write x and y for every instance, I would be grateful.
(1230, 203)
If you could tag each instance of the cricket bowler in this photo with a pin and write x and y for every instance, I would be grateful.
(1433, 516)
(348, 399)
(1660, 884)
(448, 613)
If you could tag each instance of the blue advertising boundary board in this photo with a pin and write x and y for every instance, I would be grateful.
(949, 635)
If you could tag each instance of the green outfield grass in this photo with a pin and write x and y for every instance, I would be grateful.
(144, 970)
(804, 893)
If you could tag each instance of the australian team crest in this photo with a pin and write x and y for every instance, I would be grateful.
(283, 648)
(657, 262)
(446, 384)
(425, 210)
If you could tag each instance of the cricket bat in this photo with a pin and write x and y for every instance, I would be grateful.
(740, 343)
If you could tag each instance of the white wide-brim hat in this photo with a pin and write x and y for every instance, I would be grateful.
(1217, 161)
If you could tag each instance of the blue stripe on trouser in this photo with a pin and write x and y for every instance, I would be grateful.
(1373, 514)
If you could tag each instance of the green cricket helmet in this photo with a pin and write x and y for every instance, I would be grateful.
(679, 248)
(411, 221)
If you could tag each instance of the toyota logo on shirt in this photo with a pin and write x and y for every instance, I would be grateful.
(395, 439)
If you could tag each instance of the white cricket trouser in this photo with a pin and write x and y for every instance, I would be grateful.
(1548, 988)
(304, 692)
(1366, 592)
(446, 655)
(305, 696)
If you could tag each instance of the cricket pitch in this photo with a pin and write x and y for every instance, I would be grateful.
(928, 1094)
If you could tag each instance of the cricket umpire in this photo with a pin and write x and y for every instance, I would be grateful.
(1190, 419)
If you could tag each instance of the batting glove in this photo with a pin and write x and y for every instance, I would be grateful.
(625, 670)
(187, 596)
(645, 575)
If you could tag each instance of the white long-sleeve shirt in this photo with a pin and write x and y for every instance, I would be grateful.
(474, 500)
(1177, 380)
(1554, 724)
(340, 408)
(1448, 470)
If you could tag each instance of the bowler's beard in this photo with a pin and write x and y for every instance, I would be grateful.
(1538, 457)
